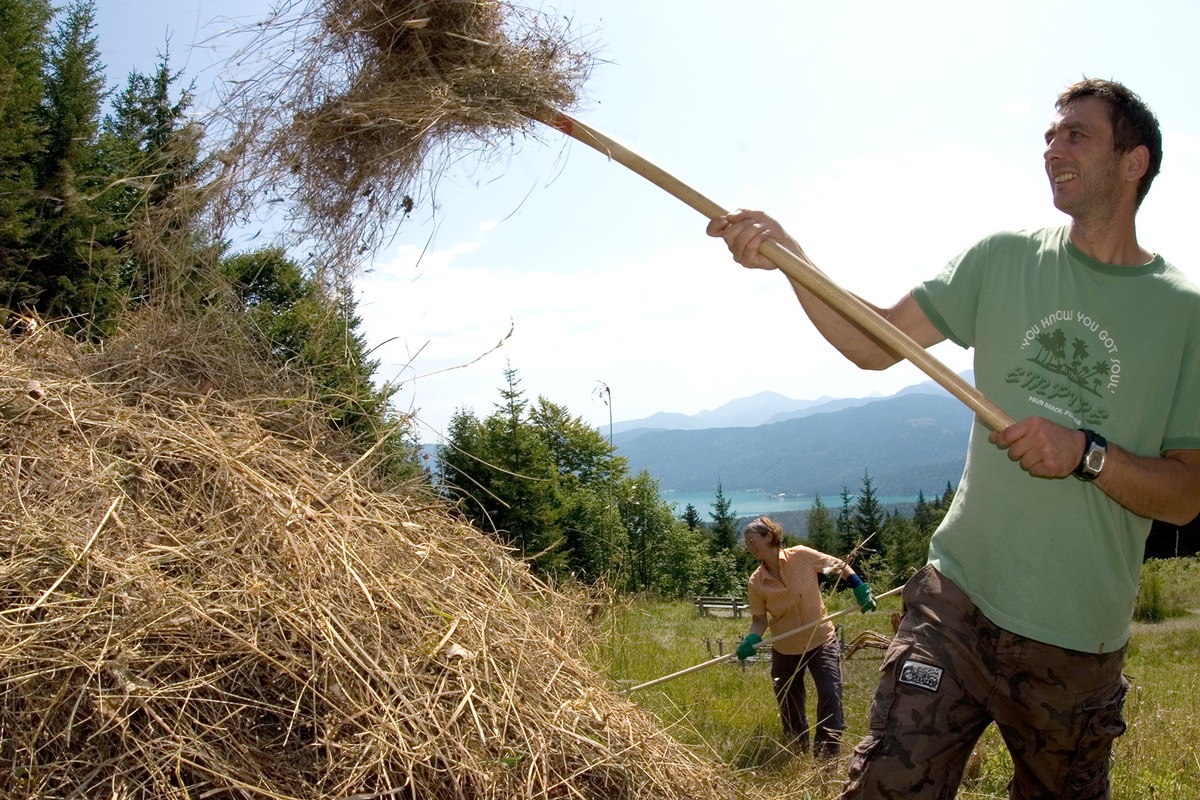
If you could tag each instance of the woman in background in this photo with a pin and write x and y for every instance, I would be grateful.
(786, 586)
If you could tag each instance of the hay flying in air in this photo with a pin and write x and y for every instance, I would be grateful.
(200, 597)
(354, 106)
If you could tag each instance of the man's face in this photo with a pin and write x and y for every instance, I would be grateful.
(1083, 168)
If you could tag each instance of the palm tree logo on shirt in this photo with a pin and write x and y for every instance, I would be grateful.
(1052, 357)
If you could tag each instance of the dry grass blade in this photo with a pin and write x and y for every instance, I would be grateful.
(203, 596)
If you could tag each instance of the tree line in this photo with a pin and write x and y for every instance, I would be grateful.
(75, 181)
(553, 489)
(885, 547)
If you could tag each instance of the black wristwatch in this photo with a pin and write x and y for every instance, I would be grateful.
(1095, 448)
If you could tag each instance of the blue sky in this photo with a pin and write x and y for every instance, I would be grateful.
(886, 136)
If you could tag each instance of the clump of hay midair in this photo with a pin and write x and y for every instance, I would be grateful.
(348, 101)
(197, 600)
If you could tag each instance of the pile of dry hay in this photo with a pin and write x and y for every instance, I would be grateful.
(343, 104)
(198, 600)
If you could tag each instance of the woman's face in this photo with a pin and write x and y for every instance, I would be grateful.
(759, 544)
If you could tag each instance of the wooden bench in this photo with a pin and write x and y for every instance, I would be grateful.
(705, 603)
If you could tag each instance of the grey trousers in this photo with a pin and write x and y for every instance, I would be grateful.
(824, 664)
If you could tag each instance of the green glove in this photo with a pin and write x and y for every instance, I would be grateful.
(866, 600)
(746, 648)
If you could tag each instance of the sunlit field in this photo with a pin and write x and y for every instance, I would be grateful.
(727, 712)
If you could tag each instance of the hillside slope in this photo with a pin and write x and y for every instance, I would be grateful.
(908, 443)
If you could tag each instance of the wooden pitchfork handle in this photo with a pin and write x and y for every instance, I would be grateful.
(733, 654)
(796, 268)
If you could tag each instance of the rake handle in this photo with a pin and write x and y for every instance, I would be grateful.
(729, 656)
(796, 268)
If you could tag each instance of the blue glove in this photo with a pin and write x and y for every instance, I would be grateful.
(866, 600)
(746, 648)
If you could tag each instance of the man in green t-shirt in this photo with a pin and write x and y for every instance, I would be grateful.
(1021, 617)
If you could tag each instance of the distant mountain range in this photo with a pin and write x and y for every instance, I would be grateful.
(914, 440)
(766, 407)
(759, 409)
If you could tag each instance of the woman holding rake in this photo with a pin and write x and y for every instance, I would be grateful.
(786, 587)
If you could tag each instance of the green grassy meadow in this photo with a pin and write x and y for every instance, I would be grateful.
(727, 712)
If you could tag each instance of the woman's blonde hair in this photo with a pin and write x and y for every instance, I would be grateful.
(765, 526)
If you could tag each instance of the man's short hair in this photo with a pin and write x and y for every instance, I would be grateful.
(1132, 120)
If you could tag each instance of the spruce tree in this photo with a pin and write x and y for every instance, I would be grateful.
(822, 533)
(868, 517)
(149, 139)
(847, 537)
(906, 549)
(947, 497)
(729, 560)
(75, 275)
(724, 523)
(500, 472)
(157, 145)
(924, 515)
(23, 37)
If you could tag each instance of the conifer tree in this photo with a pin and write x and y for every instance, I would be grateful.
(822, 533)
(924, 516)
(142, 125)
(149, 140)
(727, 565)
(906, 549)
(74, 276)
(724, 523)
(868, 517)
(504, 479)
(23, 37)
(847, 535)
(943, 502)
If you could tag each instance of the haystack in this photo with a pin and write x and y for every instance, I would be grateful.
(202, 597)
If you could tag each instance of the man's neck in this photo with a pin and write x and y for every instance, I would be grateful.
(1110, 241)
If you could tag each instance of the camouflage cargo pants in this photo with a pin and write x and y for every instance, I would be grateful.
(950, 673)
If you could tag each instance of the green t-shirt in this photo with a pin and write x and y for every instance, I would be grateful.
(1087, 345)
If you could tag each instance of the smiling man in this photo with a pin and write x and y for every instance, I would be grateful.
(1022, 615)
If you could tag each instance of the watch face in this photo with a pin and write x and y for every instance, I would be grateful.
(1095, 460)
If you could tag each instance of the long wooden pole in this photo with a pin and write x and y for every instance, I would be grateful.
(798, 269)
(765, 642)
